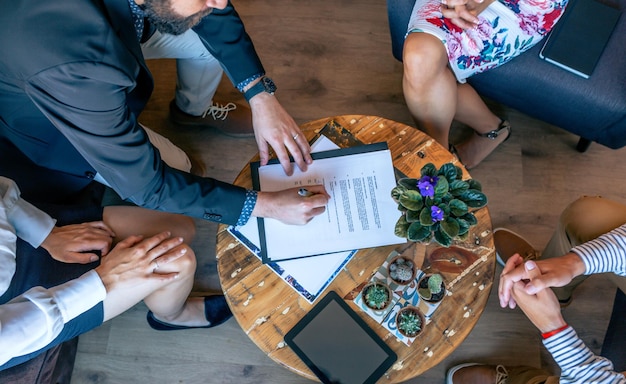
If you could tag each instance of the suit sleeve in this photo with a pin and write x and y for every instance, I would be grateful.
(88, 103)
(224, 35)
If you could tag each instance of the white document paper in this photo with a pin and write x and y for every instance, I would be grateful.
(359, 214)
(309, 276)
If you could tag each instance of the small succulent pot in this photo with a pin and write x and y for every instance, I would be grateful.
(410, 321)
(377, 295)
(432, 287)
(401, 270)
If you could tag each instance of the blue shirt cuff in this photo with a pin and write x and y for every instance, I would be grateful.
(247, 81)
(248, 206)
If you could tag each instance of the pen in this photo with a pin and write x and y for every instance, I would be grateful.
(304, 192)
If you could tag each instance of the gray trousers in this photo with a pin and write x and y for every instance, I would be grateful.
(198, 72)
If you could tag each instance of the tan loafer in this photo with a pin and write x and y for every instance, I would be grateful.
(509, 243)
(474, 373)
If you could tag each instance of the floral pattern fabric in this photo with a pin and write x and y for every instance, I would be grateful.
(505, 29)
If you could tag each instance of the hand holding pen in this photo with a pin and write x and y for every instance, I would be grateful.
(305, 192)
(292, 206)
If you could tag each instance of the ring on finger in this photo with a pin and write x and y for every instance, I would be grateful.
(156, 266)
(296, 136)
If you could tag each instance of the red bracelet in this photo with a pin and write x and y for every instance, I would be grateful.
(552, 333)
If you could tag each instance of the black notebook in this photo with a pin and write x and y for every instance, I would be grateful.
(579, 37)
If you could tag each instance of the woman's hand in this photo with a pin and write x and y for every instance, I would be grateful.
(136, 259)
(463, 13)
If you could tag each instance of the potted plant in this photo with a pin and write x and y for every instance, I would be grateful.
(437, 205)
(401, 270)
(432, 288)
(377, 295)
(410, 321)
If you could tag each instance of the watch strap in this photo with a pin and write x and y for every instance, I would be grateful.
(264, 85)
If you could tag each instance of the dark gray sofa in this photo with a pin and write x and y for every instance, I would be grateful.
(594, 108)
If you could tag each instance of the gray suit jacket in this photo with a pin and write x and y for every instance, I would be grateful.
(72, 82)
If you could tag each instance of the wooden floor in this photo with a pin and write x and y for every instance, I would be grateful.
(331, 58)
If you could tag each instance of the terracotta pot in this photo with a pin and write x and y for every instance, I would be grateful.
(385, 287)
(423, 283)
(394, 261)
(400, 320)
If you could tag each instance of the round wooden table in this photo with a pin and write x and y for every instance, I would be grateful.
(266, 307)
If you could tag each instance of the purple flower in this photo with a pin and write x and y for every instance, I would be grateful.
(426, 185)
(436, 213)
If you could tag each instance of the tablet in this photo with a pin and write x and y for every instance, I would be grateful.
(338, 346)
(580, 36)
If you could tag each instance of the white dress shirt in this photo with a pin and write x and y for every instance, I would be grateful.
(578, 363)
(32, 320)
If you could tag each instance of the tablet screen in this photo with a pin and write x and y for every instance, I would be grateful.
(338, 346)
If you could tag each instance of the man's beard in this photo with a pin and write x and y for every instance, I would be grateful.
(165, 20)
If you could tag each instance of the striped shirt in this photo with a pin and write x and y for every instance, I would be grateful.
(578, 363)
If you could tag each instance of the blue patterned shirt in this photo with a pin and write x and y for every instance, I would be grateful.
(138, 15)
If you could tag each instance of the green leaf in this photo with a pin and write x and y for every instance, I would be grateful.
(442, 187)
(425, 217)
(450, 226)
(458, 186)
(450, 171)
(412, 200)
(408, 183)
(474, 184)
(412, 216)
(474, 198)
(397, 192)
(401, 227)
(458, 208)
(428, 170)
(417, 232)
(442, 238)
(464, 227)
(470, 218)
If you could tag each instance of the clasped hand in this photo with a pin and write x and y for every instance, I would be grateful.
(525, 284)
(552, 272)
(463, 13)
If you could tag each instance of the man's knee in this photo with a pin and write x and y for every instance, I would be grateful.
(591, 216)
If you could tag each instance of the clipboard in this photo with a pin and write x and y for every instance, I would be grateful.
(580, 36)
(338, 345)
(280, 242)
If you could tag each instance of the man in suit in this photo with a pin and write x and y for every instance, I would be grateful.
(73, 81)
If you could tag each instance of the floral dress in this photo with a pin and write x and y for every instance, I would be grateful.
(505, 29)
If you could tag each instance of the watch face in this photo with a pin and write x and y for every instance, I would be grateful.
(269, 85)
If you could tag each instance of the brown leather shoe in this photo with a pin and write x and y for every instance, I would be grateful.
(509, 243)
(229, 118)
(473, 373)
